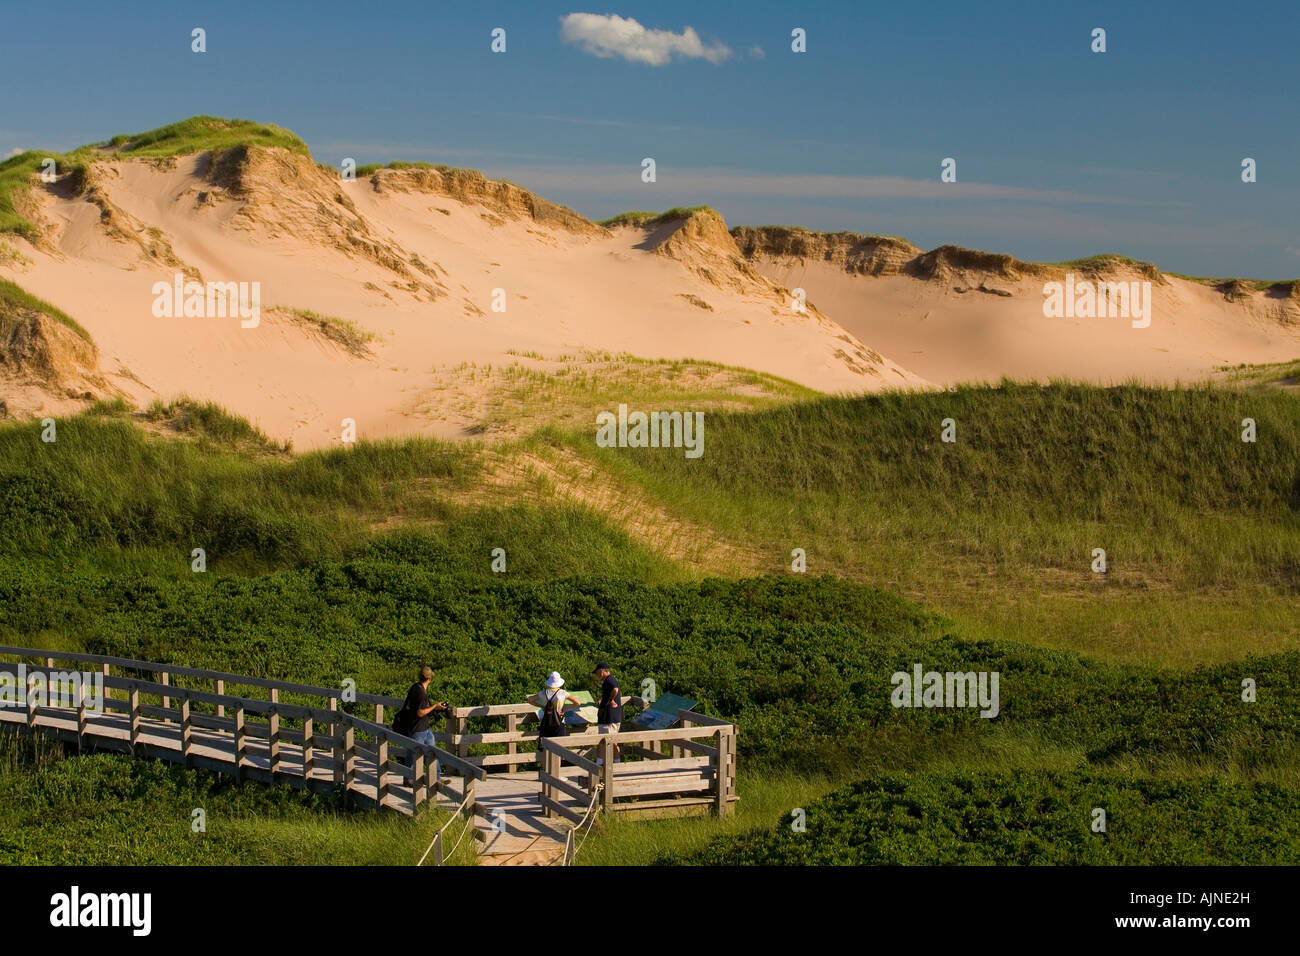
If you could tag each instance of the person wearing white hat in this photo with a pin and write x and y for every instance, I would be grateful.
(553, 699)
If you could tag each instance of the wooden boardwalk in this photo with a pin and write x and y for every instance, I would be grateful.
(518, 815)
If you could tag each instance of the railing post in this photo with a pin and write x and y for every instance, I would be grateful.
(108, 691)
(164, 679)
(512, 748)
(308, 755)
(338, 743)
(732, 764)
(240, 742)
(349, 757)
(185, 729)
(379, 714)
(418, 792)
(607, 774)
(30, 695)
(676, 750)
(470, 796)
(720, 779)
(381, 771)
(273, 735)
(81, 717)
(548, 762)
(437, 848)
(221, 689)
(135, 716)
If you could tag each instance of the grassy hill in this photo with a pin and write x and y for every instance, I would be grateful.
(357, 563)
(196, 134)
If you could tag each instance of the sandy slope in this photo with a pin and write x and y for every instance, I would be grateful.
(411, 256)
(947, 330)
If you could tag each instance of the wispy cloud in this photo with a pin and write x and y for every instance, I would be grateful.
(609, 35)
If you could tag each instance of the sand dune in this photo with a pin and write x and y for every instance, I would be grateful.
(411, 256)
(371, 290)
(955, 316)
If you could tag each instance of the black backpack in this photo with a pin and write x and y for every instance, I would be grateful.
(552, 724)
(403, 722)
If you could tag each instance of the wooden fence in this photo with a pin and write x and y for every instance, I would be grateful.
(164, 715)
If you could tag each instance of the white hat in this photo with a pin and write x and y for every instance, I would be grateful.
(554, 680)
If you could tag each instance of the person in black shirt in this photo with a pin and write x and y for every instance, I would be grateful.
(416, 711)
(609, 715)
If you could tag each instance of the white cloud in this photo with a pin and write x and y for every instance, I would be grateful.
(610, 35)
(15, 151)
(756, 52)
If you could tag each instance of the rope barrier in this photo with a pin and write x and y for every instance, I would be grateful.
(563, 861)
(442, 829)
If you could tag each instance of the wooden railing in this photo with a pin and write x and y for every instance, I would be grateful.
(214, 729)
(697, 769)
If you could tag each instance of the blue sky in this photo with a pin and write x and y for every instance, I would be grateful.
(1060, 152)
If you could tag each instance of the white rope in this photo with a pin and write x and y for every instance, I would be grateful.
(578, 826)
(442, 829)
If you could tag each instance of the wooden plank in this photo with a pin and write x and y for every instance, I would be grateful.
(552, 745)
(702, 720)
(552, 806)
(562, 785)
(664, 765)
(491, 710)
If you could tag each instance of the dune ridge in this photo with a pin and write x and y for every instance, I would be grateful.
(411, 270)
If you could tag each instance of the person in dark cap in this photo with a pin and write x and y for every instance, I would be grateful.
(609, 715)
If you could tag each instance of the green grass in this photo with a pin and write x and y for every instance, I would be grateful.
(14, 300)
(644, 219)
(1201, 530)
(343, 332)
(1000, 818)
(206, 421)
(203, 133)
(359, 562)
(569, 390)
(193, 135)
(61, 810)
(369, 168)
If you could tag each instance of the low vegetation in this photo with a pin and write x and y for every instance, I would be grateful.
(999, 818)
(66, 810)
(342, 332)
(14, 302)
(647, 220)
(194, 135)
